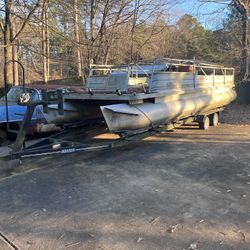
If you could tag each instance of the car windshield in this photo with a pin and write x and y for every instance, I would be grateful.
(15, 93)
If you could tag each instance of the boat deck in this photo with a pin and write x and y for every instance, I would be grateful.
(130, 96)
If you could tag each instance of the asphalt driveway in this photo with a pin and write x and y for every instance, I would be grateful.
(188, 189)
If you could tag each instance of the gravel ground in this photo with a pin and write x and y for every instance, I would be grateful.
(238, 114)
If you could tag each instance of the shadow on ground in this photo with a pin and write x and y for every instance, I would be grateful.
(167, 192)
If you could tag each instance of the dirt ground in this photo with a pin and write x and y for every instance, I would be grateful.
(187, 189)
(238, 114)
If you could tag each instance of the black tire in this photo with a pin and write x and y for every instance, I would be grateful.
(3, 137)
(205, 123)
(214, 119)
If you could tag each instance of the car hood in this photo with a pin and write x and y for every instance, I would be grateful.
(16, 112)
(10, 103)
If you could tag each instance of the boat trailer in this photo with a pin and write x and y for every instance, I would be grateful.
(62, 143)
(136, 105)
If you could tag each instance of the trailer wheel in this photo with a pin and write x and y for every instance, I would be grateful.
(3, 137)
(214, 119)
(205, 123)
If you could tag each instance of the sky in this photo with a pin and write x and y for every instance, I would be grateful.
(210, 15)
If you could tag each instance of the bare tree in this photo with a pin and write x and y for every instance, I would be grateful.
(243, 8)
(10, 37)
(45, 42)
(92, 30)
(77, 38)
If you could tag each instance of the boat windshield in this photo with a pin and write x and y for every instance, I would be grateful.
(15, 93)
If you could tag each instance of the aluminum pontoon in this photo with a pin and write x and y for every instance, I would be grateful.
(184, 88)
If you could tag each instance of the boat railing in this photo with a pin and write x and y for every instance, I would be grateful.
(110, 78)
(134, 70)
(189, 62)
(164, 73)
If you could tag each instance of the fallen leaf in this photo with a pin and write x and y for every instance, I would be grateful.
(139, 240)
(171, 229)
(193, 246)
(243, 235)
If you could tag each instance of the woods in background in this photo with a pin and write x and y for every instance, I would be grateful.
(57, 39)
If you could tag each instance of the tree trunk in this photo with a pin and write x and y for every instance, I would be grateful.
(245, 49)
(112, 33)
(108, 48)
(77, 39)
(8, 77)
(92, 32)
(132, 49)
(45, 43)
(15, 56)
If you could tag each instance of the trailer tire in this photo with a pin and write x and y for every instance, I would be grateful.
(3, 137)
(205, 123)
(214, 119)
